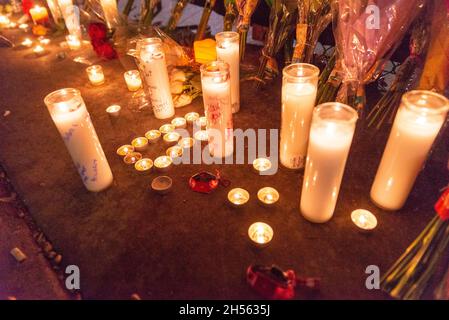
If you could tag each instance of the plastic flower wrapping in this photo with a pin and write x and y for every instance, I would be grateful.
(367, 32)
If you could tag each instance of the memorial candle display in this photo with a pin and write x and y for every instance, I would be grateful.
(417, 123)
(71, 17)
(154, 68)
(110, 13)
(331, 133)
(228, 44)
(95, 74)
(299, 88)
(132, 79)
(69, 113)
(217, 106)
(39, 14)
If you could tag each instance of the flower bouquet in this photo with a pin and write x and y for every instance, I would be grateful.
(366, 32)
(246, 9)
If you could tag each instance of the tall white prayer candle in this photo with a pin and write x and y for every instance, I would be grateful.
(417, 123)
(299, 88)
(110, 12)
(69, 113)
(331, 133)
(217, 107)
(228, 45)
(155, 75)
(71, 17)
(54, 9)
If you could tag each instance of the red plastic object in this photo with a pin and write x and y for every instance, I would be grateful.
(204, 182)
(271, 282)
(442, 205)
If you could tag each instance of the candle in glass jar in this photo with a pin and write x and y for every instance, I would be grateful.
(73, 42)
(125, 149)
(217, 105)
(54, 9)
(110, 13)
(152, 62)
(260, 234)
(39, 14)
(331, 133)
(132, 79)
(228, 51)
(238, 197)
(268, 196)
(70, 14)
(364, 219)
(179, 122)
(153, 135)
(299, 88)
(95, 74)
(191, 117)
(70, 116)
(417, 123)
(140, 143)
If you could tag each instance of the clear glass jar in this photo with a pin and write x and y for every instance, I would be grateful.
(416, 125)
(331, 134)
(299, 88)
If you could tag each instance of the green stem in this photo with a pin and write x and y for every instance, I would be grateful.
(128, 7)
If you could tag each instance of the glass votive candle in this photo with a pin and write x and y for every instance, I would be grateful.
(179, 122)
(238, 197)
(174, 152)
(153, 136)
(201, 135)
(140, 143)
(73, 42)
(132, 79)
(191, 117)
(132, 157)
(166, 128)
(201, 122)
(143, 165)
(261, 165)
(95, 74)
(364, 220)
(163, 163)
(186, 142)
(260, 234)
(125, 149)
(27, 42)
(171, 137)
(113, 110)
(268, 196)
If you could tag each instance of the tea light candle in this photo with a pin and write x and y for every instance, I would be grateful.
(186, 142)
(95, 74)
(174, 152)
(201, 135)
(260, 234)
(114, 110)
(140, 143)
(23, 26)
(132, 79)
(163, 163)
(12, 25)
(261, 165)
(191, 117)
(161, 184)
(238, 197)
(179, 122)
(44, 41)
(153, 136)
(171, 137)
(201, 122)
(364, 219)
(132, 157)
(73, 42)
(125, 149)
(268, 196)
(143, 165)
(166, 128)
(38, 50)
(27, 43)
(39, 14)
(71, 16)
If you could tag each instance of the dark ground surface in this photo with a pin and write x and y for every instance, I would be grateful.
(185, 245)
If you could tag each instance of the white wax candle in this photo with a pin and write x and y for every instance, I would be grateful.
(110, 12)
(54, 9)
(71, 17)
(155, 72)
(328, 149)
(411, 138)
(228, 51)
(217, 106)
(95, 74)
(132, 79)
(70, 116)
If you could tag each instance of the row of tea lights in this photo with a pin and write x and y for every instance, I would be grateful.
(132, 77)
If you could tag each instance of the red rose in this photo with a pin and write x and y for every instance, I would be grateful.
(27, 5)
(105, 50)
(97, 31)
